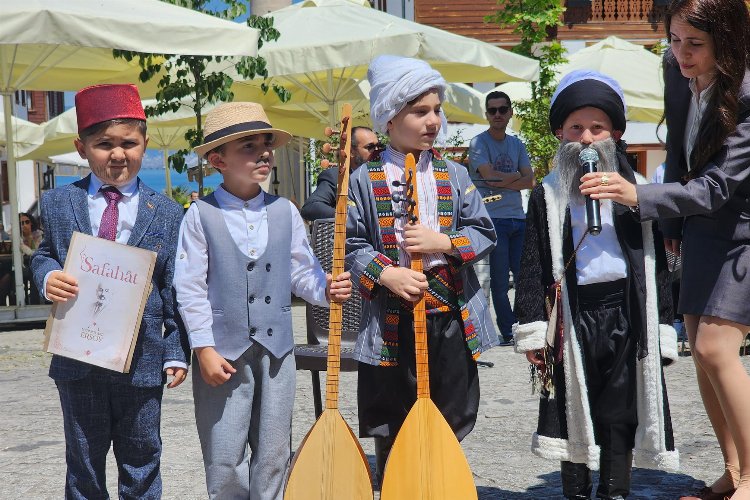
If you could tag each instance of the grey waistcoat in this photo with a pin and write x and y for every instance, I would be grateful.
(251, 300)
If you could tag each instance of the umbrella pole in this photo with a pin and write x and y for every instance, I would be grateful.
(13, 195)
(167, 173)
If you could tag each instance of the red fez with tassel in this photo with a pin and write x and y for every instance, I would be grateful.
(100, 103)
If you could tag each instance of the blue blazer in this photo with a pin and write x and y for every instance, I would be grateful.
(162, 336)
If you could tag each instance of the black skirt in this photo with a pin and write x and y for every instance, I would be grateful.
(385, 394)
(715, 272)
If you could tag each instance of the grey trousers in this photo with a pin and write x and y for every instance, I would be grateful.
(244, 426)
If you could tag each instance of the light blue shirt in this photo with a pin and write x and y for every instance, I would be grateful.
(507, 156)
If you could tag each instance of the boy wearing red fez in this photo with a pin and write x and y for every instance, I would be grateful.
(102, 407)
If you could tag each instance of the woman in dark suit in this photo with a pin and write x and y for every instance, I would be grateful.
(705, 204)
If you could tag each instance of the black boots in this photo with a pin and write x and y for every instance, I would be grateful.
(614, 475)
(383, 447)
(576, 480)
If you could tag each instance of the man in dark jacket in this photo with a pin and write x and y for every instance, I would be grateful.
(321, 204)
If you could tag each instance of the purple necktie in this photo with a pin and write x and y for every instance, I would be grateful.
(108, 226)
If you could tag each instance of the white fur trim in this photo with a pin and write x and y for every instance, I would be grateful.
(650, 439)
(555, 222)
(530, 336)
(665, 460)
(560, 449)
(577, 409)
(668, 344)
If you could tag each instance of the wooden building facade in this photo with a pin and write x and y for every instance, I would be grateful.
(638, 21)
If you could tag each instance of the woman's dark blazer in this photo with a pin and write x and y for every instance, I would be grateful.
(721, 190)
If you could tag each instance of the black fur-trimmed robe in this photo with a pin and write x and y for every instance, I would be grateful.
(565, 430)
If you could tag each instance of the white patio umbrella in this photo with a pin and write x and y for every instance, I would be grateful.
(27, 136)
(326, 46)
(66, 45)
(637, 70)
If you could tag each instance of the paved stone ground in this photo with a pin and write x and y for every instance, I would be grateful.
(32, 449)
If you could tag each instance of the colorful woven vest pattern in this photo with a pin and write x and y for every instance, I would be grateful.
(445, 288)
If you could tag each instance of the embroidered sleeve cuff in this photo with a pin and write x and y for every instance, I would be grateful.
(530, 336)
(462, 248)
(668, 344)
(201, 338)
(371, 275)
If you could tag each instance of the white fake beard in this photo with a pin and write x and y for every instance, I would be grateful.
(570, 172)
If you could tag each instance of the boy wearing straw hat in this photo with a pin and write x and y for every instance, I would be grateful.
(234, 280)
(102, 407)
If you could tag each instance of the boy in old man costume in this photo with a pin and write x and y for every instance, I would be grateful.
(603, 394)
(453, 232)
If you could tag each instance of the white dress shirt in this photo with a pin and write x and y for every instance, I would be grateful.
(696, 110)
(393, 164)
(600, 258)
(247, 221)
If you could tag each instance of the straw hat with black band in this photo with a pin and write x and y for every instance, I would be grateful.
(234, 120)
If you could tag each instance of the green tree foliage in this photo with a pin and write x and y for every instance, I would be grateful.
(535, 21)
(187, 78)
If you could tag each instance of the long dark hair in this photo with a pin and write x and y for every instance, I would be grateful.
(728, 24)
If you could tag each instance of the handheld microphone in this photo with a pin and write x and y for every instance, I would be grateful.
(588, 159)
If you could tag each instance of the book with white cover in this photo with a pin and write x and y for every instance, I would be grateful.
(100, 325)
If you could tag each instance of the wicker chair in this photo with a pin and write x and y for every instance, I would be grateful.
(313, 355)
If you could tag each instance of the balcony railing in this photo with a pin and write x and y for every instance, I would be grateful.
(614, 11)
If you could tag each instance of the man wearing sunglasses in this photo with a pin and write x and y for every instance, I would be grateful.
(321, 204)
(499, 164)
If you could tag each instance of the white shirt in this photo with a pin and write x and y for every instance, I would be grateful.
(127, 209)
(393, 165)
(600, 258)
(696, 110)
(247, 221)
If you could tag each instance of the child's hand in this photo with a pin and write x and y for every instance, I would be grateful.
(61, 287)
(215, 370)
(421, 239)
(340, 289)
(178, 376)
(404, 282)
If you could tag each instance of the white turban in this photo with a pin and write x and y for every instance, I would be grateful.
(394, 82)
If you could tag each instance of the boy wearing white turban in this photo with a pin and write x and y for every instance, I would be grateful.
(453, 232)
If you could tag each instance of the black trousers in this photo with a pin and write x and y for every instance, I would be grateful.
(385, 394)
(609, 356)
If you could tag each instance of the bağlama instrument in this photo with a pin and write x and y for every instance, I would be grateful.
(329, 463)
(426, 461)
